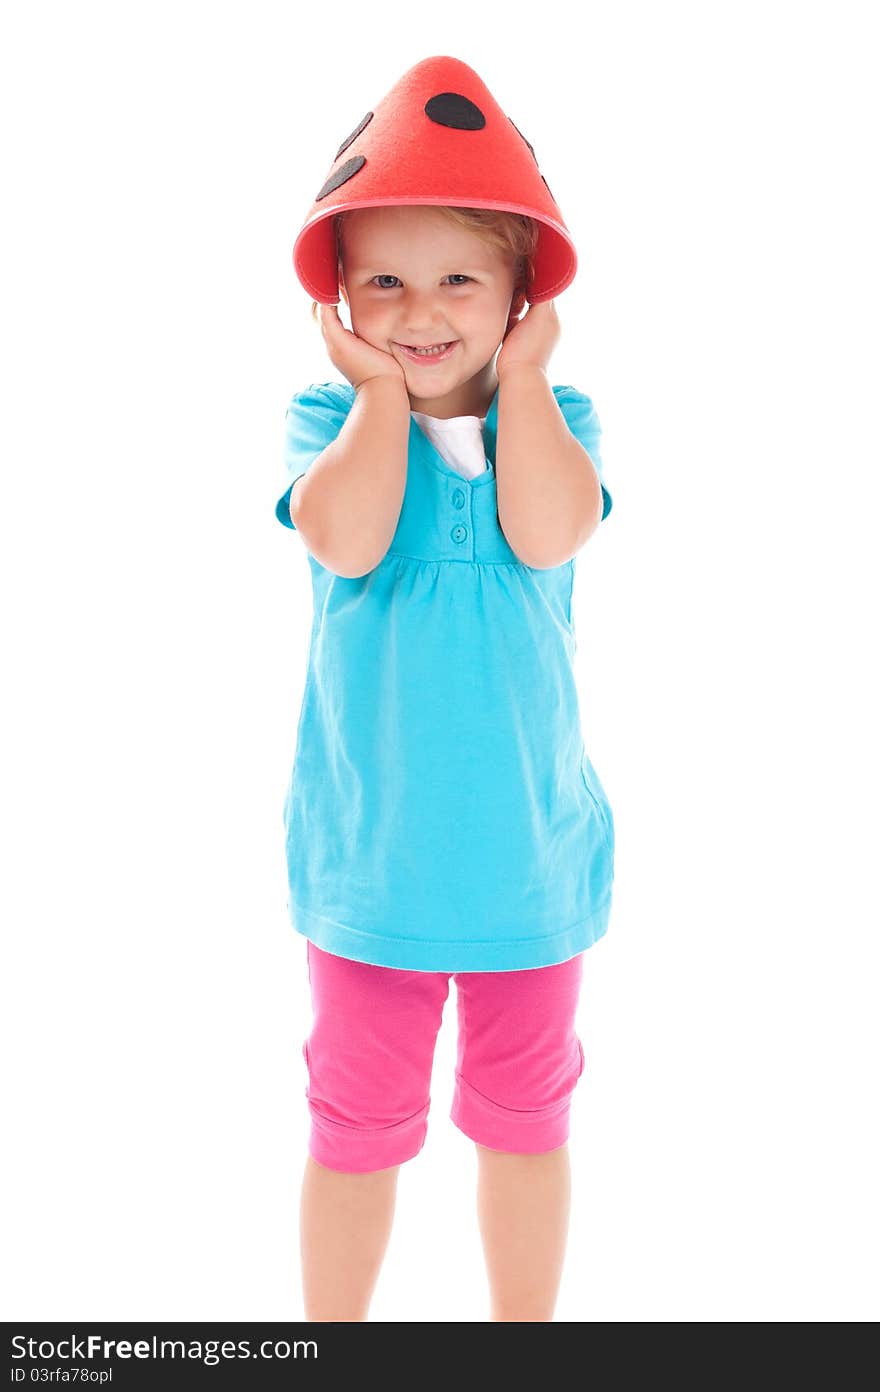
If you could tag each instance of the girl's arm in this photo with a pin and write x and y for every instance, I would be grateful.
(549, 494)
(347, 506)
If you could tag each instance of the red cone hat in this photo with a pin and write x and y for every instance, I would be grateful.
(438, 137)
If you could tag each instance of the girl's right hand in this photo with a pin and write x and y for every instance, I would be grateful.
(356, 359)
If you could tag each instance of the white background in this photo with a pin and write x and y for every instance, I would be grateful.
(717, 168)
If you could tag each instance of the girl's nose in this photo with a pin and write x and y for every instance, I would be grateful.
(421, 315)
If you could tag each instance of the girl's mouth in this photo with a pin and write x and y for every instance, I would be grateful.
(438, 353)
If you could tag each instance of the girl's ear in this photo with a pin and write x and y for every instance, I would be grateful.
(342, 290)
(517, 305)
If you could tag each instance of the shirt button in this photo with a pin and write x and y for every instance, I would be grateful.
(458, 498)
(458, 533)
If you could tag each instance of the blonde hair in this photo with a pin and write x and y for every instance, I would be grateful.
(513, 234)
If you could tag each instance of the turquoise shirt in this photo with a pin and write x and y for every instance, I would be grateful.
(443, 813)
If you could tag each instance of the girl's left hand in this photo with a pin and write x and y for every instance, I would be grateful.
(532, 339)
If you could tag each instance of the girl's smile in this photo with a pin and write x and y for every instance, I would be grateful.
(430, 356)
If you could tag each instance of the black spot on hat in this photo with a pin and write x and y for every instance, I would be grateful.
(519, 133)
(452, 109)
(548, 188)
(341, 175)
(354, 135)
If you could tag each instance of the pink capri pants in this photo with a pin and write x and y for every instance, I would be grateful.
(370, 1055)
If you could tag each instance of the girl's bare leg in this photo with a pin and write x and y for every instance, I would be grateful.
(345, 1224)
(523, 1204)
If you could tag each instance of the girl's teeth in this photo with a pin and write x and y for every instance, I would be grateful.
(439, 348)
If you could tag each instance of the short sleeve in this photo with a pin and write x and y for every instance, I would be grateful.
(314, 418)
(583, 422)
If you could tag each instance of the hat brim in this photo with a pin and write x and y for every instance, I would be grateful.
(554, 262)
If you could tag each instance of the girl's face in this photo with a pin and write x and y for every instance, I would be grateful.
(412, 278)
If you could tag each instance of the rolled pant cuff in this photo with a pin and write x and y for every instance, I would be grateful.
(500, 1128)
(357, 1150)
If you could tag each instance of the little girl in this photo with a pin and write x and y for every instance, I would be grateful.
(443, 818)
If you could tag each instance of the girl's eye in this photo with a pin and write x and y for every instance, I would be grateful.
(455, 277)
